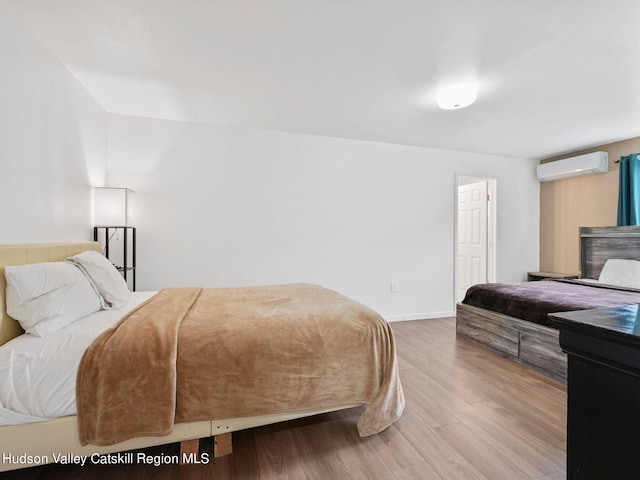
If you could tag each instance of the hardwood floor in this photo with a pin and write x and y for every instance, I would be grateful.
(470, 414)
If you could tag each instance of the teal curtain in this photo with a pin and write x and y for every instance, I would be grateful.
(629, 191)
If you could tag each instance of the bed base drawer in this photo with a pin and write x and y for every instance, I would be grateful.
(493, 333)
(535, 346)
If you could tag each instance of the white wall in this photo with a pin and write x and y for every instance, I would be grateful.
(228, 207)
(52, 141)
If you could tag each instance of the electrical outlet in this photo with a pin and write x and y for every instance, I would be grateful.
(393, 286)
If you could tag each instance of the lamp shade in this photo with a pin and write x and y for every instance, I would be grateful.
(113, 206)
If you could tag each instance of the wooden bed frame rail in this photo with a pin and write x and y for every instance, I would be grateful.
(60, 435)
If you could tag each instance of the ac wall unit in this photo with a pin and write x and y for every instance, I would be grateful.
(588, 164)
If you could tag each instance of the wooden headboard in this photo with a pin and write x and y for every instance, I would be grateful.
(31, 253)
(598, 244)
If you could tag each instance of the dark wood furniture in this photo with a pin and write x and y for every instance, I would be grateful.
(598, 244)
(128, 247)
(603, 404)
(535, 276)
(537, 346)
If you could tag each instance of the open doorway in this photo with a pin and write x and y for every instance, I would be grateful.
(475, 260)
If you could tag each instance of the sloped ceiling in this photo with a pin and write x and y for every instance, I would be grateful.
(553, 75)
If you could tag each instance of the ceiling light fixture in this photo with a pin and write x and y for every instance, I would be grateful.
(457, 96)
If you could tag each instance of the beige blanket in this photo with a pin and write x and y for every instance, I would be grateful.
(198, 354)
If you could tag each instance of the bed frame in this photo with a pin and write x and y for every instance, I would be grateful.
(528, 343)
(40, 440)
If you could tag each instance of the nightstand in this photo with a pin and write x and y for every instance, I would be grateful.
(535, 276)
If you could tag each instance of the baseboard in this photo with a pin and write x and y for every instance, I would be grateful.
(419, 316)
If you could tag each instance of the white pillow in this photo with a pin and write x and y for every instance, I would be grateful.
(45, 297)
(109, 282)
(623, 273)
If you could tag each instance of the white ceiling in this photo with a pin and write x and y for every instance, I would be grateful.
(554, 75)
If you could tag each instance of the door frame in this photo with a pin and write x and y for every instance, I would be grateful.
(492, 209)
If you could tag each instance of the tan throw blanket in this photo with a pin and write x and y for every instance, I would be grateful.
(204, 354)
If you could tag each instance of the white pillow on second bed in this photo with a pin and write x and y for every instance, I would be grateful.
(622, 273)
(44, 297)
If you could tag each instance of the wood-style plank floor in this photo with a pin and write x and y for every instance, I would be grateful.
(470, 415)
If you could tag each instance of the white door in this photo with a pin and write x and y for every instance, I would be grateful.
(472, 236)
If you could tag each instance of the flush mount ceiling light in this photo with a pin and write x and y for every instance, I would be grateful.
(457, 96)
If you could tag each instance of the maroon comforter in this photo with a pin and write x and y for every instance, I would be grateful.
(533, 301)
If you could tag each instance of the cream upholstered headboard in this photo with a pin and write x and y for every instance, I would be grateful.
(31, 253)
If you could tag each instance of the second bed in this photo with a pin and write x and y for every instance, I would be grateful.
(512, 319)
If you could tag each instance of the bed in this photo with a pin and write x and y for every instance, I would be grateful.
(512, 320)
(33, 443)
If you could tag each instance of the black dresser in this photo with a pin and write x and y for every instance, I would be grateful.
(603, 409)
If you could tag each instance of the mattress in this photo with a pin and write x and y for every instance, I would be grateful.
(533, 301)
(38, 374)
